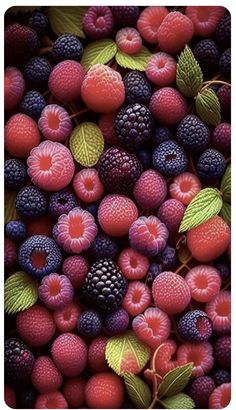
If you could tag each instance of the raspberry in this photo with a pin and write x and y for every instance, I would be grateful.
(221, 137)
(175, 31)
(98, 22)
(45, 376)
(16, 230)
(31, 202)
(10, 253)
(14, 87)
(87, 185)
(110, 90)
(185, 187)
(222, 351)
(76, 269)
(65, 81)
(104, 391)
(168, 106)
(171, 213)
(66, 318)
(170, 159)
(137, 298)
(160, 135)
(209, 240)
(220, 397)
(56, 291)
(18, 362)
(50, 166)
(207, 55)
(223, 32)
(161, 69)
(200, 354)
(192, 134)
(69, 353)
(90, 323)
(61, 202)
(165, 361)
(149, 22)
(20, 43)
(104, 246)
(219, 311)
(137, 88)
(116, 213)
(116, 322)
(96, 354)
(204, 282)
(225, 63)
(32, 104)
(148, 235)
(125, 16)
(9, 397)
(15, 174)
(150, 189)
(170, 292)
(41, 226)
(36, 72)
(221, 376)
(53, 399)
(133, 265)
(67, 47)
(224, 96)
(38, 21)
(152, 327)
(204, 18)
(200, 391)
(74, 391)
(195, 326)
(167, 258)
(35, 325)
(129, 40)
(106, 124)
(21, 135)
(55, 123)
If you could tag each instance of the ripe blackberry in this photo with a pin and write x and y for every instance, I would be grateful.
(195, 326)
(167, 258)
(16, 230)
(36, 72)
(223, 32)
(39, 22)
(31, 202)
(207, 54)
(161, 134)
(145, 158)
(104, 246)
(33, 104)
(39, 256)
(200, 391)
(105, 286)
(67, 47)
(27, 398)
(170, 159)
(222, 351)
(61, 203)
(225, 63)
(192, 134)
(20, 43)
(223, 269)
(221, 376)
(125, 15)
(224, 96)
(134, 124)
(90, 323)
(18, 361)
(15, 174)
(119, 170)
(211, 165)
(116, 322)
(137, 88)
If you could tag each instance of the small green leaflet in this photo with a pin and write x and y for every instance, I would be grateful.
(98, 52)
(179, 401)
(67, 19)
(225, 185)
(136, 61)
(175, 381)
(138, 391)
(206, 204)
(225, 213)
(208, 107)
(20, 292)
(189, 76)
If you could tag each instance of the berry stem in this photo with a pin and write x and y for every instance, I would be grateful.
(207, 84)
(46, 41)
(193, 165)
(45, 50)
(79, 113)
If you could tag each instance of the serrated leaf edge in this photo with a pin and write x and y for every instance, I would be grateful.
(127, 377)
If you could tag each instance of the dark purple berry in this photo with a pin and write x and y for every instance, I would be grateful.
(89, 323)
(116, 322)
(200, 391)
(195, 326)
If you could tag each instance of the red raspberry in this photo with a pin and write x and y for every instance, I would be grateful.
(150, 189)
(43, 225)
(221, 137)
(165, 361)
(205, 18)
(149, 22)
(129, 40)
(220, 397)
(75, 268)
(35, 325)
(87, 185)
(45, 376)
(185, 187)
(21, 43)
(137, 298)
(66, 318)
(171, 293)
(133, 265)
(222, 351)
(106, 124)
(96, 354)
(168, 106)
(161, 69)
(204, 282)
(10, 253)
(219, 311)
(98, 22)
(14, 87)
(104, 391)
(171, 213)
(200, 354)
(53, 400)
(9, 397)
(74, 391)
(175, 31)
(69, 353)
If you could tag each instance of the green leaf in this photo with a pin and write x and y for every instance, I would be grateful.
(67, 19)
(126, 354)
(22, 9)
(98, 52)
(189, 76)
(136, 61)
(175, 380)
(138, 391)
(86, 144)
(179, 401)
(208, 107)
(225, 213)
(20, 292)
(10, 213)
(206, 204)
(225, 185)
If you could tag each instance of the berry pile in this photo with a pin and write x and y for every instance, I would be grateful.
(117, 205)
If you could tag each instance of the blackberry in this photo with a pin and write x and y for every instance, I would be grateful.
(92, 208)
(61, 203)
(170, 159)
(16, 230)
(161, 134)
(145, 158)
(192, 134)
(195, 326)
(31, 202)
(15, 174)
(39, 256)
(20, 44)
(18, 361)
(225, 63)
(200, 391)
(224, 96)
(154, 270)
(105, 286)
(39, 22)
(104, 246)
(125, 15)
(221, 376)
(167, 258)
(137, 88)
(33, 104)
(116, 322)
(223, 32)
(222, 351)
(119, 170)
(224, 270)
(207, 54)
(27, 398)
(90, 323)
(67, 47)
(211, 165)
(36, 72)
(134, 125)
(221, 137)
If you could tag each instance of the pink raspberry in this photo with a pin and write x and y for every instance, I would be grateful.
(150, 189)
(45, 376)
(98, 22)
(161, 69)
(53, 400)
(201, 354)
(220, 397)
(87, 185)
(35, 325)
(205, 18)
(185, 187)
(221, 137)
(56, 291)
(148, 235)
(66, 318)
(55, 123)
(14, 87)
(104, 391)
(219, 311)
(165, 361)
(129, 40)
(75, 268)
(204, 282)
(171, 293)
(69, 353)
(137, 298)
(168, 105)
(74, 391)
(171, 213)
(106, 124)
(152, 327)
(149, 22)
(65, 81)
(10, 253)
(51, 166)
(133, 265)
(96, 354)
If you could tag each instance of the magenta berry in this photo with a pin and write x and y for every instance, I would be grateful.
(56, 291)
(161, 69)
(129, 40)
(171, 213)
(150, 189)
(55, 123)
(98, 22)
(14, 87)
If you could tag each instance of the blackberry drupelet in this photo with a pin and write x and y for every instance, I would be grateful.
(61, 203)
(90, 323)
(134, 124)
(170, 159)
(27, 398)
(125, 15)
(104, 246)
(67, 47)
(36, 72)
(18, 361)
(221, 376)
(211, 165)
(15, 174)
(192, 134)
(222, 351)
(167, 258)
(16, 230)
(116, 322)
(105, 286)
(207, 54)
(119, 170)
(223, 32)
(225, 63)
(145, 158)
(137, 88)
(195, 326)
(33, 104)
(31, 202)
(200, 391)
(161, 134)
(39, 22)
